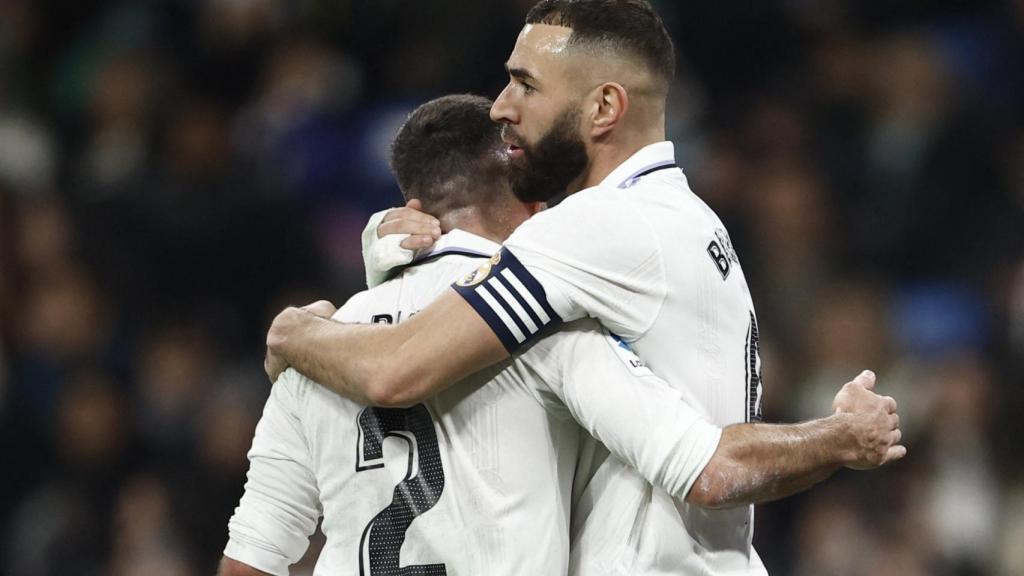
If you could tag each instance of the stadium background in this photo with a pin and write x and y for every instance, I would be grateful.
(173, 173)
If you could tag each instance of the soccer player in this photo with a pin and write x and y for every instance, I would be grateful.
(633, 247)
(478, 480)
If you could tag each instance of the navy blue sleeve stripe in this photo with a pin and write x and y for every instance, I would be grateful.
(528, 313)
(509, 299)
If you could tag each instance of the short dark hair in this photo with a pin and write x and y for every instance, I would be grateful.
(447, 154)
(630, 25)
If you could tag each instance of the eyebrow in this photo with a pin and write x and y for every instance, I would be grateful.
(519, 73)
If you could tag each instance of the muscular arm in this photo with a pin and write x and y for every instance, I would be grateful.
(762, 462)
(646, 423)
(388, 365)
(229, 567)
(757, 463)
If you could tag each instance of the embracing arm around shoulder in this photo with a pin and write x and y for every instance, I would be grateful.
(762, 462)
(388, 365)
(646, 423)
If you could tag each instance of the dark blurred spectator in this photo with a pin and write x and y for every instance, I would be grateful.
(176, 368)
(60, 527)
(120, 107)
(930, 182)
(963, 492)
(146, 536)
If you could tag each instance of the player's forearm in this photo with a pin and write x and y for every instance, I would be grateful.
(231, 567)
(353, 360)
(383, 365)
(762, 462)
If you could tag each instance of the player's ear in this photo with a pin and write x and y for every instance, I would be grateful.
(609, 104)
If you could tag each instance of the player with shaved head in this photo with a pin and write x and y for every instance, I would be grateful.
(631, 245)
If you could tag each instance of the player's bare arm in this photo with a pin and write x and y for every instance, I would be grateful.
(274, 364)
(229, 567)
(762, 462)
(392, 366)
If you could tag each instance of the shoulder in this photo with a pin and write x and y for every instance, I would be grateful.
(599, 223)
(588, 338)
(354, 308)
(584, 340)
(599, 204)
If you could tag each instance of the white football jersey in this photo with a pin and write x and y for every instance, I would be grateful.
(478, 480)
(644, 255)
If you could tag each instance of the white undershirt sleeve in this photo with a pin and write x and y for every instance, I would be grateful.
(281, 506)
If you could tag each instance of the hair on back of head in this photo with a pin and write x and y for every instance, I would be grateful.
(447, 154)
(622, 25)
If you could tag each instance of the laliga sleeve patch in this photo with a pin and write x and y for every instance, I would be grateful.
(509, 299)
(628, 357)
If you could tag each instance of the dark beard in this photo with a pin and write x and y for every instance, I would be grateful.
(546, 168)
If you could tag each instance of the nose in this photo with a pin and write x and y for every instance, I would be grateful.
(502, 109)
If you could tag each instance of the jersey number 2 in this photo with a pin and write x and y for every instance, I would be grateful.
(415, 494)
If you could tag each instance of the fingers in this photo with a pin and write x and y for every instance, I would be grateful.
(890, 404)
(895, 436)
(413, 210)
(866, 379)
(403, 221)
(418, 241)
(894, 421)
(322, 308)
(423, 224)
(409, 220)
(895, 453)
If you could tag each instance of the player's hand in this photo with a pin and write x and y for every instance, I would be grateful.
(873, 423)
(274, 365)
(422, 228)
(284, 324)
(322, 308)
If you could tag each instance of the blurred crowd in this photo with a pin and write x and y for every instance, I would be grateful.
(174, 173)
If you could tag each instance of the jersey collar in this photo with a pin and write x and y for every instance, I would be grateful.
(459, 242)
(646, 160)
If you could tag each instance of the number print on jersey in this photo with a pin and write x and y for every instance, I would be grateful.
(415, 494)
(754, 380)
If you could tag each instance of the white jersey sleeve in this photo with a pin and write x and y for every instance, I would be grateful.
(280, 508)
(579, 259)
(641, 419)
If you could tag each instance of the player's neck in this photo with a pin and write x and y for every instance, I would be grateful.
(608, 155)
(471, 219)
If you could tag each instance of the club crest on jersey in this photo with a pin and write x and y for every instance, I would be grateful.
(480, 274)
(722, 253)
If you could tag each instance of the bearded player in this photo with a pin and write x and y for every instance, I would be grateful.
(482, 478)
(631, 246)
